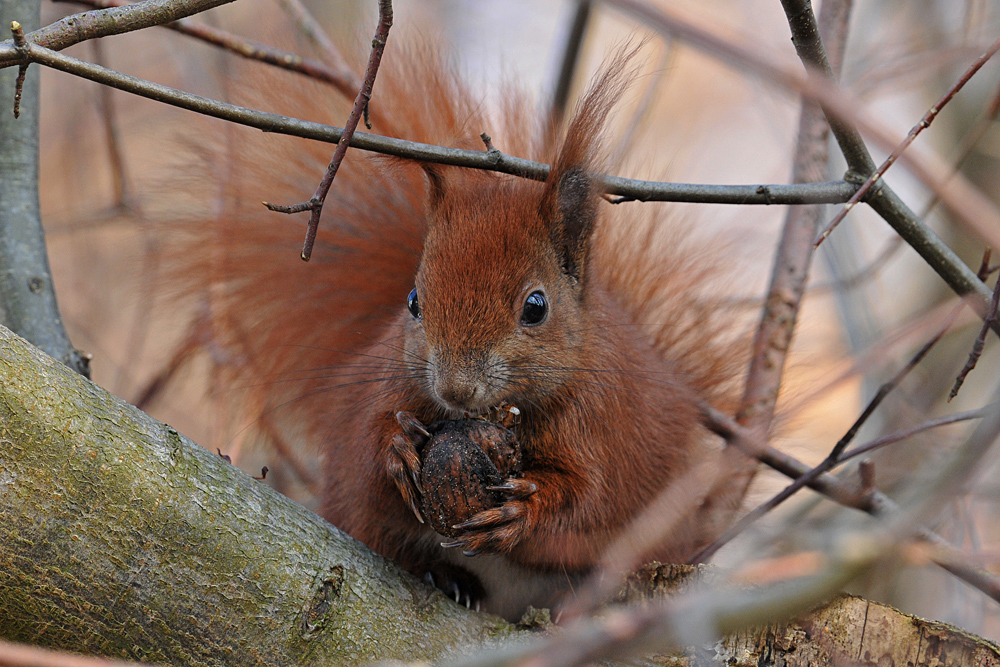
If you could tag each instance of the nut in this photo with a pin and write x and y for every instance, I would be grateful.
(461, 460)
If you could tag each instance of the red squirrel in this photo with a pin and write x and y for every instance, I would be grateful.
(436, 292)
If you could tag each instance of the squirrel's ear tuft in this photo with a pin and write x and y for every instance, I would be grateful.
(569, 201)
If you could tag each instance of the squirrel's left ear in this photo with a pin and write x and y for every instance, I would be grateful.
(571, 205)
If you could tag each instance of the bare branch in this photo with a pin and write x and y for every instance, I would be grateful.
(874, 503)
(773, 337)
(343, 80)
(115, 21)
(635, 189)
(979, 344)
(968, 205)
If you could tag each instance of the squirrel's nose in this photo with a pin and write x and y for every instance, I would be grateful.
(460, 395)
(462, 385)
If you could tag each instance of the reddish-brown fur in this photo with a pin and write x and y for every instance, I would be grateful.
(607, 385)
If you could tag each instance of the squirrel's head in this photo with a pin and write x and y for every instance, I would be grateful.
(499, 307)
(500, 310)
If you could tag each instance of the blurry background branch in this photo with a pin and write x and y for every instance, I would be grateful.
(27, 295)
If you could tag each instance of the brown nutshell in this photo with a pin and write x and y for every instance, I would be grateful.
(461, 460)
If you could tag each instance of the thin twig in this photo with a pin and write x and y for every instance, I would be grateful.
(967, 203)
(924, 123)
(977, 347)
(832, 459)
(969, 143)
(315, 203)
(341, 79)
(875, 502)
(903, 434)
(825, 466)
(116, 21)
(835, 458)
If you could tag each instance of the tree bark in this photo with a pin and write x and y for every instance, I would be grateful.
(120, 537)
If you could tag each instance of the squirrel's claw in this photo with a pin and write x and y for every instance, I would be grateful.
(408, 457)
(500, 528)
(403, 465)
(405, 483)
(411, 425)
(516, 488)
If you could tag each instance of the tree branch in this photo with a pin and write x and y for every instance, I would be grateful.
(115, 21)
(116, 528)
(968, 205)
(772, 340)
(634, 189)
(343, 80)
(874, 503)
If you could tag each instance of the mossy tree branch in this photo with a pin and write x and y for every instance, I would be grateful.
(119, 536)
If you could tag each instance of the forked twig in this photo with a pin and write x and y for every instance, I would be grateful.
(315, 203)
(924, 123)
(840, 491)
(832, 460)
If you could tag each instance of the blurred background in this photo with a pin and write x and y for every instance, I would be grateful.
(117, 170)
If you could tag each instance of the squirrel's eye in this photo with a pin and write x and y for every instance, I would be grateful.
(536, 308)
(413, 304)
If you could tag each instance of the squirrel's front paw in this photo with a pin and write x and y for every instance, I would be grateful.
(500, 528)
(404, 459)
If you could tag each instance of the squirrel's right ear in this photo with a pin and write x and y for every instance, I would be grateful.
(571, 207)
(570, 197)
(435, 183)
